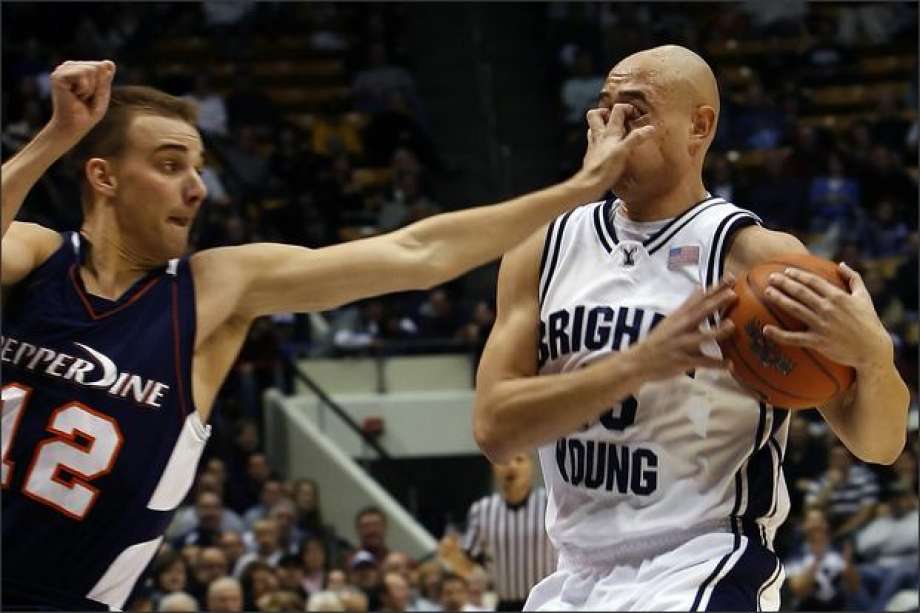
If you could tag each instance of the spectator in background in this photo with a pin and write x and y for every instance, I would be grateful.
(758, 123)
(315, 563)
(438, 316)
(885, 234)
(225, 595)
(285, 515)
(170, 573)
(371, 527)
(257, 579)
(891, 540)
(333, 132)
(580, 90)
(848, 490)
(407, 202)
(821, 578)
(372, 86)
(776, 196)
(355, 600)
(180, 602)
(394, 128)
(212, 109)
(454, 594)
(833, 200)
(231, 543)
(429, 586)
(272, 493)
(266, 546)
(364, 573)
(395, 596)
(336, 580)
(327, 600)
(290, 573)
(825, 55)
(247, 491)
(477, 585)
(210, 521)
(281, 600)
(210, 564)
(477, 331)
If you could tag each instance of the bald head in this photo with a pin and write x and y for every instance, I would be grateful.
(674, 72)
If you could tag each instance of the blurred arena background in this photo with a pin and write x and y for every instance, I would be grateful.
(331, 122)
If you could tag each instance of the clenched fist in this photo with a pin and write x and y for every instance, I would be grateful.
(80, 93)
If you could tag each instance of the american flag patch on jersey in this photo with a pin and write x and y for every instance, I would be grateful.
(678, 256)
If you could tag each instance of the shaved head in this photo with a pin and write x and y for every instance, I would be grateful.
(674, 89)
(674, 72)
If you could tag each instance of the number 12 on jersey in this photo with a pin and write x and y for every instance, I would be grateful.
(61, 452)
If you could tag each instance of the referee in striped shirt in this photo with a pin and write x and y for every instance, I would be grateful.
(506, 532)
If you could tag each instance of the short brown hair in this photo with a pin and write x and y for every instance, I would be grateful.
(109, 137)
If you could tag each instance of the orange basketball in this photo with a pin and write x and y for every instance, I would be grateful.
(786, 376)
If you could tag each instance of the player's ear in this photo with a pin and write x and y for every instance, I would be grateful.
(702, 125)
(100, 175)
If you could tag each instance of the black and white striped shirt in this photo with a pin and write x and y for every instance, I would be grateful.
(860, 489)
(513, 542)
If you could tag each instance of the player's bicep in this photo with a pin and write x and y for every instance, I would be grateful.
(25, 246)
(755, 245)
(511, 351)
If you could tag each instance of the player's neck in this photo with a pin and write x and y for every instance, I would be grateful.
(665, 206)
(110, 268)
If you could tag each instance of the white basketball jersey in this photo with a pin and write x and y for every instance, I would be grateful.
(688, 452)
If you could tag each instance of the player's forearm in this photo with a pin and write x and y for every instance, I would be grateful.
(24, 169)
(520, 414)
(874, 424)
(455, 242)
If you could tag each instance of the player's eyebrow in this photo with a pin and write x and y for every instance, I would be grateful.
(627, 94)
(178, 147)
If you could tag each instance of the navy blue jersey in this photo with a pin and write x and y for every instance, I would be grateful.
(100, 436)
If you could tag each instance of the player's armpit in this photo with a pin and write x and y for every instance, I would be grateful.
(25, 246)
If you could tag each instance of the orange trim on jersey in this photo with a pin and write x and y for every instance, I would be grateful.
(79, 478)
(89, 307)
(25, 401)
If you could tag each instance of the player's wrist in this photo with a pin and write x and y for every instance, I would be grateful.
(588, 184)
(56, 139)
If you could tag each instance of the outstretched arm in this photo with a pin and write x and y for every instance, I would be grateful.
(271, 278)
(871, 417)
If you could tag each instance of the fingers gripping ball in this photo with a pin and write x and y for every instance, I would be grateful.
(783, 375)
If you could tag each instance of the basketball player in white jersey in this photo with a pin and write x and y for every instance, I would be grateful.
(664, 476)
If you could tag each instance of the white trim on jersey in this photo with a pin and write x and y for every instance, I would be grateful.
(172, 267)
(179, 474)
(114, 587)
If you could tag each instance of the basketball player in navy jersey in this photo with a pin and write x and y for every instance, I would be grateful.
(115, 344)
(664, 476)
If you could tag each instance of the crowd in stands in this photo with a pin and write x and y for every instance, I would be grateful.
(364, 163)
